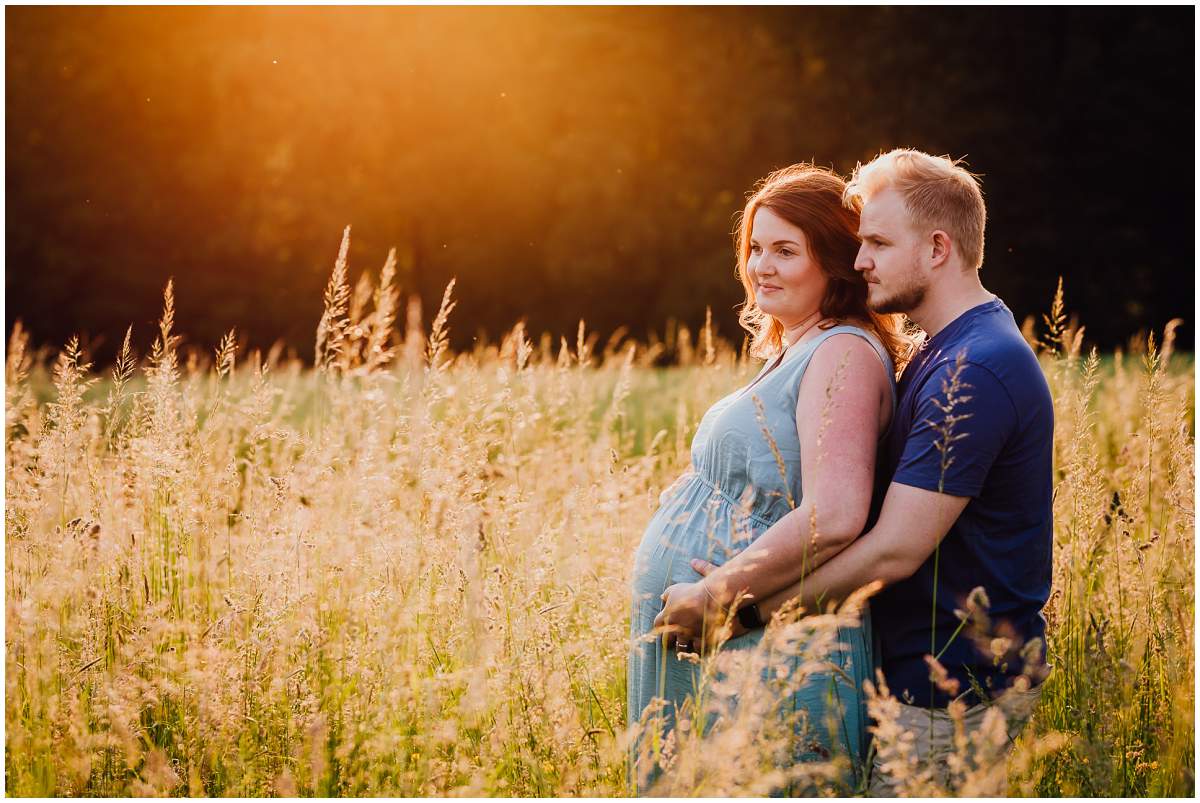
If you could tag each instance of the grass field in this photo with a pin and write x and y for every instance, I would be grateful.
(406, 572)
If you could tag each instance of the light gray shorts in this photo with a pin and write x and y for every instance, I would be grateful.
(934, 742)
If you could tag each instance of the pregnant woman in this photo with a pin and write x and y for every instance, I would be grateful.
(767, 510)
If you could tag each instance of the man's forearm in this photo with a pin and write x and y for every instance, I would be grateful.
(781, 556)
(862, 562)
(910, 525)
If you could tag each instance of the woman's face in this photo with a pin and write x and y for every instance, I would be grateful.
(788, 283)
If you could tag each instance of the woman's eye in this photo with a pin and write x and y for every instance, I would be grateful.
(787, 252)
(754, 249)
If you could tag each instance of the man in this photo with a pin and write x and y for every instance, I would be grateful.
(965, 531)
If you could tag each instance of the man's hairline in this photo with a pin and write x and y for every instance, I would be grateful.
(913, 221)
(910, 218)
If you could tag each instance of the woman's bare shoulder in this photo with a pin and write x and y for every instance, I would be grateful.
(848, 361)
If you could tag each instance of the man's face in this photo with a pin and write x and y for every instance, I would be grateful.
(889, 257)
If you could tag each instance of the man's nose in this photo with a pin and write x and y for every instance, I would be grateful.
(862, 261)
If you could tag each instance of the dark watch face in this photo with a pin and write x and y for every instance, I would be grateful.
(748, 616)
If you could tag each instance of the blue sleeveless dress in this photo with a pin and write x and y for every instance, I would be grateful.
(732, 493)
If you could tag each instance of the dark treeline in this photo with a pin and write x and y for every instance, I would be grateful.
(565, 163)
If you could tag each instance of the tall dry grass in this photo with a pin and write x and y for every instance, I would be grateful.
(406, 572)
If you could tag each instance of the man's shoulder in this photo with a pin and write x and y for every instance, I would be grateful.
(961, 363)
(990, 347)
(998, 373)
(991, 336)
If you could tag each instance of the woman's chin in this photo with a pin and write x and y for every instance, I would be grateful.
(772, 306)
(766, 302)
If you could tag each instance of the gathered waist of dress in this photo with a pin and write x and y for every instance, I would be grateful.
(691, 478)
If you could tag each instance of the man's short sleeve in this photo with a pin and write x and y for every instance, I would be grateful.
(957, 431)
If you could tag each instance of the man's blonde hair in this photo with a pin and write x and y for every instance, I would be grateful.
(937, 192)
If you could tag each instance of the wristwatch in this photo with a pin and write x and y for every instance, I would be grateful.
(749, 616)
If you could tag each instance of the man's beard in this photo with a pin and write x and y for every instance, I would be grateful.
(905, 300)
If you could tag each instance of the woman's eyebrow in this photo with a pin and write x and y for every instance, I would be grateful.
(786, 242)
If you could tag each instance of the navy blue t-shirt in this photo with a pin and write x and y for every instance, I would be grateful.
(999, 454)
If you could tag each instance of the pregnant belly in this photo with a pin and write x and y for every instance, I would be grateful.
(663, 556)
(691, 523)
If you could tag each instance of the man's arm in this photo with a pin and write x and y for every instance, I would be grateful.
(963, 420)
(911, 525)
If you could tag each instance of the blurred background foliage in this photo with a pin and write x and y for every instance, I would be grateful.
(565, 163)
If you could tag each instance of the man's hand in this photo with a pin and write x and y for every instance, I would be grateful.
(686, 608)
(703, 568)
(691, 615)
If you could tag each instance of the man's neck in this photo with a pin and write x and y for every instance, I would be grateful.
(944, 304)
